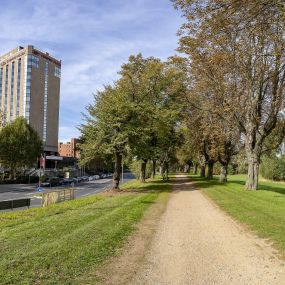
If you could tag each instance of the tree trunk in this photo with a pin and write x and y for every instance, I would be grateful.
(224, 173)
(117, 171)
(253, 152)
(166, 171)
(12, 171)
(188, 168)
(203, 170)
(195, 168)
(203, 166)
(253, 171)
(153, 169)
(143, 168)
(10, 174)
(210, 170)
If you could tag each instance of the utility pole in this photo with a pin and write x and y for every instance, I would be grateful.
(44, 164)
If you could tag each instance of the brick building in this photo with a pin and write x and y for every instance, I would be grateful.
(69, 149)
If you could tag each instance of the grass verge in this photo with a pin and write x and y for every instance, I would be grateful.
(60, 243)
(261, 210)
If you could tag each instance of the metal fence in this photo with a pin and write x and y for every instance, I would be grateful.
(57, 196)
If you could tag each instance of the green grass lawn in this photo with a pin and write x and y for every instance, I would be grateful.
(262, 210)
(60, 243)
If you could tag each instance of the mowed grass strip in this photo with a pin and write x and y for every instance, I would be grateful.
(262, 210)
(55, 245)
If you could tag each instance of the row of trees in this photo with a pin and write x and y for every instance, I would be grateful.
(136, 116)
(225, 95)
(235, 52)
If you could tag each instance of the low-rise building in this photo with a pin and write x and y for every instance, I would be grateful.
(69, 149)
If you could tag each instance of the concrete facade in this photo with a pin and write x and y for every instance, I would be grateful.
(30, 87)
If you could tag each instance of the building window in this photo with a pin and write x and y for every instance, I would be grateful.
(12, 90)
(33, 61)
(57, 71)
(18, 87)
(6, 89)
(27, 88)
(45, 103)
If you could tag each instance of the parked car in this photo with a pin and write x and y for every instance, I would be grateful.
(68, 180)
(79, 179)
(75, 180)
(51, 182)
(85, 178)
(63, 181)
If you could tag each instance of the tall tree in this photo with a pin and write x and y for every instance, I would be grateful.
(134, 115)
(106, 130)
(152, 87)
(248, 37)
(20, 145)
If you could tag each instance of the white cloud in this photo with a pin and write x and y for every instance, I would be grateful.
(68, 133)
(92, 37)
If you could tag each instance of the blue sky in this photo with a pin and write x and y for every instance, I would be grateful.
(92, 38)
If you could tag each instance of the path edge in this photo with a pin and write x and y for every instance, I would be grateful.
(120, 269)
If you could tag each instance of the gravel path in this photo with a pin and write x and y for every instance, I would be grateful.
(196, 243)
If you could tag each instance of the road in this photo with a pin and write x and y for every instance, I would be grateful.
(18, 191)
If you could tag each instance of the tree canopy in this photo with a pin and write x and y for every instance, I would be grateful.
(224, 94)
(20, 145)
(236, 53)
(136, 115)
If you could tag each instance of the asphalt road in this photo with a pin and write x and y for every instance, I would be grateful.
(18, 191)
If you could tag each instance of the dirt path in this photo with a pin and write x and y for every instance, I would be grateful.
(196, 243)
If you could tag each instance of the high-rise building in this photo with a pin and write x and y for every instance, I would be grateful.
(30, 87)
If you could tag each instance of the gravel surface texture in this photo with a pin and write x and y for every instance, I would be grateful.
(197, 243)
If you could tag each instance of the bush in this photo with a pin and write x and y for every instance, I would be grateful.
(273, 168)
(234, 168)
(238, 164)
(217, 168)
(27, 179)
(21, 180)
(135, 167)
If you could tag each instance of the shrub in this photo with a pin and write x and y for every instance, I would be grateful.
(238, 164)
(217, 168)
(273, 168)
(135, 167)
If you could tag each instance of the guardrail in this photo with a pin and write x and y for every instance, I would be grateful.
(57, 196)
(18, 203)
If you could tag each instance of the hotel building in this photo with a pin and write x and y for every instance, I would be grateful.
(30, 87)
